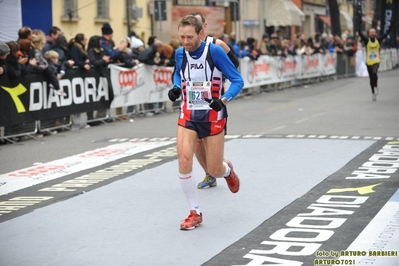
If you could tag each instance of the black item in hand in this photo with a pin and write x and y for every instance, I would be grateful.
(215, 104)
(174, 93)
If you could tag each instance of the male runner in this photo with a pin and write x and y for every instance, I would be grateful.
(210, 181)
(198, 77)
(373, 57)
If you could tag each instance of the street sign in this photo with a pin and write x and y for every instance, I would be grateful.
(160, 10)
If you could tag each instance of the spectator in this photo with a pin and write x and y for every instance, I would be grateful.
(25, 33)
(317, 45)
(25, 48)
(135, 42)
(241, 49)
(309, 47)
(275, 45)
(53, 71)
(108, 44)
(175, 44)
(96, 54)
(126, 59)
(15, 64)
(38, 42)
(167, 55)
(299, 46)
(54, 33)
(152, 54)
(77, 51)
(99, 61)
(4, 51)
(286, 48)
(224, 37)
(152, 39)
(252, 45)
(136, 51)
(350, 46)
(264, 47)
(338, 44)
(61, 47)
(126, 56)
(330, 43)
(279, 34)
(26, 51)
(232, 39)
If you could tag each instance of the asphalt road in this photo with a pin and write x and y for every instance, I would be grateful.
(319, 181)
(338, 107)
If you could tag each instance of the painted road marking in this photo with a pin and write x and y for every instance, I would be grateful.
(37, 174)
(316, 228)
(72, 186)
(309, 136)
(380, 239)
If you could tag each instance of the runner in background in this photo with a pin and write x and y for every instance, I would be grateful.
(210, 181)
(372, 44)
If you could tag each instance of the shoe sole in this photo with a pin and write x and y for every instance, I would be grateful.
(191, 228)
(209, 186)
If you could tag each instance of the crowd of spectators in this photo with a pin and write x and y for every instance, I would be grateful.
(29, 53)
(277, 45)
(52, 55)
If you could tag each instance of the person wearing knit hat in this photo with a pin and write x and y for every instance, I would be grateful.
(4, 50)
(106, 29)
(108, 44)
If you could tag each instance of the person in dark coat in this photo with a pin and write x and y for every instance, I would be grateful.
(77, 51)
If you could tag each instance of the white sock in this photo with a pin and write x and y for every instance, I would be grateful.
(188, 185)
(227, 173)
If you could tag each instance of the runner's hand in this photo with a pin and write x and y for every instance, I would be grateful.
(215, 104)
(174, 93)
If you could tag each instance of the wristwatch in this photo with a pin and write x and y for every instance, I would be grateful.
(225, 100)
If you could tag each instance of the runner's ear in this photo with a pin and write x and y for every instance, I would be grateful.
(202, 34)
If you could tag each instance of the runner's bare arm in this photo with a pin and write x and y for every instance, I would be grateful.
(229, 52)
(222, 44)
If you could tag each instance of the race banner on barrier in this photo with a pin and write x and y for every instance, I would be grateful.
(275, 69)
(31, 99)
(142, 84)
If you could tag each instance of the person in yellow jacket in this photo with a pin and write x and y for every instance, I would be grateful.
(372, 43)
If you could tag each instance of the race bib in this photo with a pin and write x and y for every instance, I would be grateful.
(196, 93)
(373, 55)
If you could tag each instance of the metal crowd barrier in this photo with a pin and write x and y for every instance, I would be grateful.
(345, 68)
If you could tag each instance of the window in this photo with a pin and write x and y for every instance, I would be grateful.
(103, 9)
(220, 3)
(71, 9)
(190, 2)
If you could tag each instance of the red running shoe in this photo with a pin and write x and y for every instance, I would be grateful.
(232, 180)
(192, 221)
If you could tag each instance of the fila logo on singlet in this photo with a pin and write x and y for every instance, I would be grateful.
(195, 66)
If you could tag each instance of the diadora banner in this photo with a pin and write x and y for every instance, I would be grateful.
(389, 9)
(31, 99)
